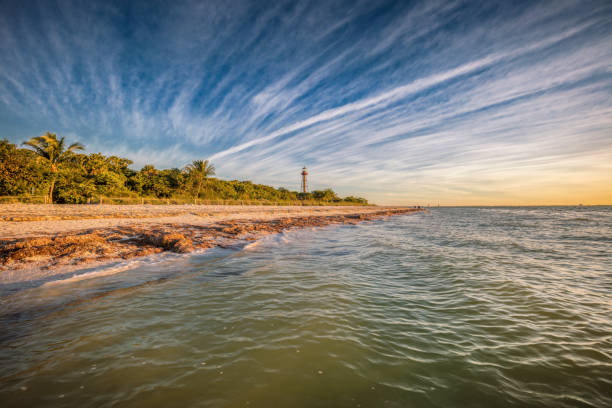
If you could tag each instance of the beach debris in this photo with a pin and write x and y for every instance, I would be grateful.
(174, 242)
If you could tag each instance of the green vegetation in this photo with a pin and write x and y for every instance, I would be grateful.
(198, 171)
(58, 172)
(53, 152)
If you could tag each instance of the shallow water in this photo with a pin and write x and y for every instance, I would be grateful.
(481, 307)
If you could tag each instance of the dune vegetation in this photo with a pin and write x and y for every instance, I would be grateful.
(48, 168)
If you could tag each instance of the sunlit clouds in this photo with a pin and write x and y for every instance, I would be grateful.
(449, 102)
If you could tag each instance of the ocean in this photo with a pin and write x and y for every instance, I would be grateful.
(453, 307)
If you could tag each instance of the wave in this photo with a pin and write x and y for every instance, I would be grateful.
(93, 274)
(252, 245)
(123, 266)
(284, 237)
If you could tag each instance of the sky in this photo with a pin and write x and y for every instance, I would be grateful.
(414, 103)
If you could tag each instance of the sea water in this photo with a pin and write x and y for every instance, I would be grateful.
(454, 307)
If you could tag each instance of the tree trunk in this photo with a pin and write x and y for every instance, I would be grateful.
(51, 190)
(54, 173)
(199, 187)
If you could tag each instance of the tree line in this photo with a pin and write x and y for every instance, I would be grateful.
(47, 166)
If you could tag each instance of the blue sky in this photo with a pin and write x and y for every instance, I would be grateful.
(455, 102)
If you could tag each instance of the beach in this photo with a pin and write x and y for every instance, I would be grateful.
(38, 241)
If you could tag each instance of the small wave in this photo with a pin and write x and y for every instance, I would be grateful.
(93, 274)
(108, 270)
(508, 224)
(252, 245)
(276, 238)
(263, 270)
(285, 238)
(594, 238)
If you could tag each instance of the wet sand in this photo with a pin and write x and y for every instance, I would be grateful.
(40, 240)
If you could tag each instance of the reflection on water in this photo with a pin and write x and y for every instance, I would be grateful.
(456, 307)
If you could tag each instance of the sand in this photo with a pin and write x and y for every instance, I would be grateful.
(42, 240)
(23, 220)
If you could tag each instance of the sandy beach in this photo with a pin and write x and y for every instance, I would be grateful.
(42, 240)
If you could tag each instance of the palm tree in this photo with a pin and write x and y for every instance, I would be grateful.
(52, 150)
(198, 170)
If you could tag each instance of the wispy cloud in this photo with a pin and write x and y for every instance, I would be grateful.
(438, 101)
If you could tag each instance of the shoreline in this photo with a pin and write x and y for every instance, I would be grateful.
(31, 250)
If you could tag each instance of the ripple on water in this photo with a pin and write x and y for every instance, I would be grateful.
(455, 307)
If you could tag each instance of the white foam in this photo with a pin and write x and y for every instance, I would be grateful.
(252, 245)
(93, 274)
(107, 270)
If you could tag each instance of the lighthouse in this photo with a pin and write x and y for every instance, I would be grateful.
(304, 180)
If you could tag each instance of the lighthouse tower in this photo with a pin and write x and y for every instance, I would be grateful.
(304, 180)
